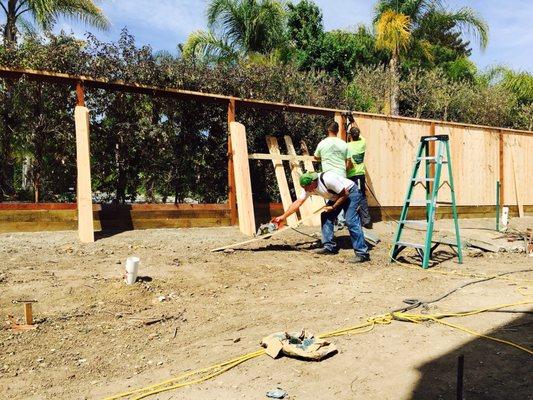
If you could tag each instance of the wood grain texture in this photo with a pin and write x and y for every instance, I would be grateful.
(281, 178)
(316, 201)
(243, 184)
(306, 209)
(83, 162)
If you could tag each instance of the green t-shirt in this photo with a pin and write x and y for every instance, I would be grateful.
(333, 154)
(356, 152)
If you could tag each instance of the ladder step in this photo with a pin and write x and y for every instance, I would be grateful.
(449, 203)
(418, 202)
(432, 160)
(408, 244)
(420, 223)
(423, 179)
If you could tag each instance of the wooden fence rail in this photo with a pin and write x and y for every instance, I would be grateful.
(482, 155)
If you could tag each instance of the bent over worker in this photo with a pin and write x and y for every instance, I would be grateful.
(342, 194)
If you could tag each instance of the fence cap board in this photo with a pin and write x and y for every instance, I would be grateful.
(100, 83)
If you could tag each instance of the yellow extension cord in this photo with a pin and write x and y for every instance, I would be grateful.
(385, 319)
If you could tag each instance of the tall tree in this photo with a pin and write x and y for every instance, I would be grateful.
(415, 26)
(238, 28)
(46, 12)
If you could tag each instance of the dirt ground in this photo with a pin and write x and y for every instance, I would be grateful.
(92, 340)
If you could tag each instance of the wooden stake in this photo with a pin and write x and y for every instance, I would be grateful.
(283, 186)
(243, 184)
(28, 313)
(83, 162)
(232, 199)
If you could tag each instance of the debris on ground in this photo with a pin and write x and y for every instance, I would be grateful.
(301, 344)
(277, 393)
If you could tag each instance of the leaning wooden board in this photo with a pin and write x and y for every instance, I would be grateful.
(316, 201)
(269, 235)
(283, 186)
(307, 208)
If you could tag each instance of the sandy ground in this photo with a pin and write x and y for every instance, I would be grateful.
(91, 341)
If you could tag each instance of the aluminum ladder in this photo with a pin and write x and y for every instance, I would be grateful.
(432, 186)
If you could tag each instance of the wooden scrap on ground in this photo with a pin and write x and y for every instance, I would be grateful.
(267, 236)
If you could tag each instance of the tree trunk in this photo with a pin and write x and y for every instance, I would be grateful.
(394, 86)
(10, 29)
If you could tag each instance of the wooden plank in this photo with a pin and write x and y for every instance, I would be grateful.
(280, 157)
(341, 120)
(102, 83)
(243, 184)
(232, 197)
(501, 167)
(517, 189)
(83, 162)
(269, 235)
(307, 208)
(316, 201)
(284, 193)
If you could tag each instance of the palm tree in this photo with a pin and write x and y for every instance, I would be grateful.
(417, 25)
(238, 28)
(45, 13)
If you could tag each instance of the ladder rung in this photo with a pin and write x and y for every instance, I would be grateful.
(418, 202)
(408, 244)
(420, 223)
(423, 179)
(449, 203)
(432, 160)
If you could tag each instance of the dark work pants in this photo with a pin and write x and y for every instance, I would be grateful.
(360, 180)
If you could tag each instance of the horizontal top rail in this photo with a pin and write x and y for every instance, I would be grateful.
(99, 83)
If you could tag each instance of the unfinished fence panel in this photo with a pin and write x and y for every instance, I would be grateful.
(518, 164)
(475, 156)
(390, 149)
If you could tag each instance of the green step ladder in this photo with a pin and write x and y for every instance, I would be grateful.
(432, 186)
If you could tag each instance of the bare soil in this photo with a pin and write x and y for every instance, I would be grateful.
(92, 340)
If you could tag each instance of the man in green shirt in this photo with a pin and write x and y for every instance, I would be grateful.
(332, 152)
(356, 171)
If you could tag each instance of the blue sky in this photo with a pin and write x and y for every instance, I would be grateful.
(164, 23)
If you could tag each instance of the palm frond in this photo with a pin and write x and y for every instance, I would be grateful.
(206, 47)
(85, 11)
(393, 32)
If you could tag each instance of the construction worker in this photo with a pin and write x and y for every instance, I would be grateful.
(332, 152)
(356, 170)
(342, 194)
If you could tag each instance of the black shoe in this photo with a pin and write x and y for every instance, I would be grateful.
(325, 251)
(360, 259)
(368, 225)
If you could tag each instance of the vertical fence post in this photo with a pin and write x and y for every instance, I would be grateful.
(232, 199)
(243, 184)
(341, 120)
(83, 163)
(501, 167)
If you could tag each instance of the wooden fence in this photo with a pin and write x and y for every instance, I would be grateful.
(481, 155)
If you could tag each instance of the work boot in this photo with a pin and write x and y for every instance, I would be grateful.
(359, 259)
(324, 251)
